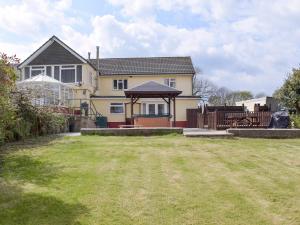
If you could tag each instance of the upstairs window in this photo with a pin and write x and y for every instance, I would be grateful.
(27, 72)
(120, 84)
(56, 72)
(63, 73)
(68, 74)
(37, 70)
(171, 82)
(79, 73)
(117, 108)
(49, 71)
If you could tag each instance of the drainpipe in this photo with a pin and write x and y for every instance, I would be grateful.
(97, 74)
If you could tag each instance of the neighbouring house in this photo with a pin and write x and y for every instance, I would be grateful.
(144, 90)
(269, 103)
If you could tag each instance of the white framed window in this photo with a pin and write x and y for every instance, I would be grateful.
(36, 70)
(171, 82)
(154, 108)
(63, 73)
(68, 74)
(116, 108)
(120, 84)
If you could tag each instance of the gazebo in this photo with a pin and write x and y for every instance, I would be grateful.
(153, 90)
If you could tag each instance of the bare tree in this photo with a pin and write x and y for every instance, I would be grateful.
(202, 87)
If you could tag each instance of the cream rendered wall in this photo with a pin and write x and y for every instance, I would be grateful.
(183, 83)
(89, 79)
(89, 84)
(103, 107)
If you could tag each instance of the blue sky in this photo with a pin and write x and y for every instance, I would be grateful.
(239, 44)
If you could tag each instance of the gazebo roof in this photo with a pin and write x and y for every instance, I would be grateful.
(152, 89)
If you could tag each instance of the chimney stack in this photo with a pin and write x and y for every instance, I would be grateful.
(89, 56)
(97, 56)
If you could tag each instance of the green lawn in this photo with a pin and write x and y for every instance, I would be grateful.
(150, 180)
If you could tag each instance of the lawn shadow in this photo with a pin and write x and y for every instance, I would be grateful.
(24, 168)
(27, 168)
(29, 143)
(18, 207)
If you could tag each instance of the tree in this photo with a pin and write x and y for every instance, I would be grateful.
(7, 81)
(220, 97)
(289, 93)
(225, 96)
(202, 87)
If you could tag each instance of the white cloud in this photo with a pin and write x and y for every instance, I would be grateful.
(242, 44)
(30, 17)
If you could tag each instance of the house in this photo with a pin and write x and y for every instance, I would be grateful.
(103, 82)
(251, 104)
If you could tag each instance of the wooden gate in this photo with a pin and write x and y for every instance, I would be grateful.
(192, 118)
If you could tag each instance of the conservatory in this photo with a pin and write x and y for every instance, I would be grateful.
(47, 91)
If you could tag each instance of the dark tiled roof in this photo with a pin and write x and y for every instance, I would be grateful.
(152, 88)
(144, 66)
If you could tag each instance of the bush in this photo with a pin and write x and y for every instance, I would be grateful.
(18, 117)
(28, 120)
(295, 120)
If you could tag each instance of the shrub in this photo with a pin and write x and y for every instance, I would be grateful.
(296, 120)
(27, 120)
(18, 117)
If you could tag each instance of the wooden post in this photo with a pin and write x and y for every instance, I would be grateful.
(131, 103)
(169, 106)
(125, 111)
(174, 112)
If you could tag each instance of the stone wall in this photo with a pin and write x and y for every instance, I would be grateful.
(130, 131)
(265, 133)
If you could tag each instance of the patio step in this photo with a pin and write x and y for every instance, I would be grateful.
(206, 133)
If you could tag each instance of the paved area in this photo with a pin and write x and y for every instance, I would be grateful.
(73, 134)
(196, 132)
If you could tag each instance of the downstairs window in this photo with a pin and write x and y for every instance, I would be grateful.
(116, 108)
